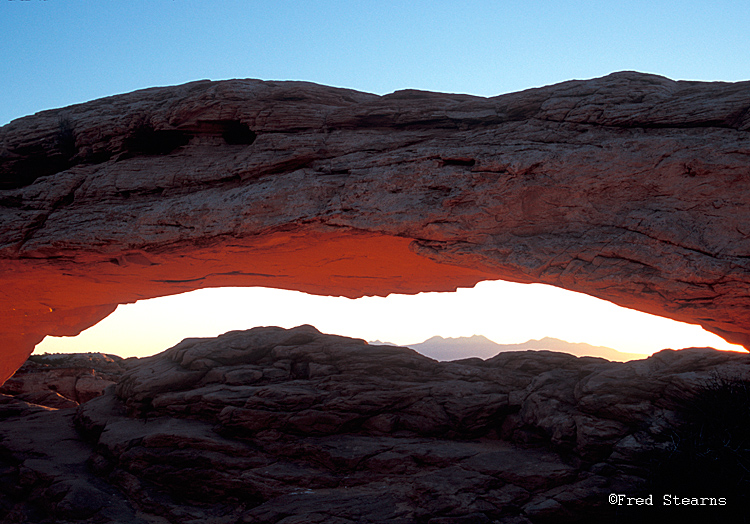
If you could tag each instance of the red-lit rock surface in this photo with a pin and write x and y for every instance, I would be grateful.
(633, 188)
(271, 426)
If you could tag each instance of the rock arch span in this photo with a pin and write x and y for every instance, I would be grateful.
(632, 187)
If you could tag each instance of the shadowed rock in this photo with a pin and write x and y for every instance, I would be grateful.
(632, 188)
(290, 426)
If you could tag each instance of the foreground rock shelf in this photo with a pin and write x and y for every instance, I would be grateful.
(632, 188)
(294, 426)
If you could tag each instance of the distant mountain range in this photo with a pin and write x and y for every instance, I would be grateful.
(480, 346)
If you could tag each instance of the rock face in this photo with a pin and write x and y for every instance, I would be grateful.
(633, 188)
(293, 426)
(62, 381)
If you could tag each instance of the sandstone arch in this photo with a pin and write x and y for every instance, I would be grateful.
(633, 188)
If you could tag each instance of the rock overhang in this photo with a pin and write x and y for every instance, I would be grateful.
(633, 188)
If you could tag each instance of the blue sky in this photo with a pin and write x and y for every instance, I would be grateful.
(60, 52)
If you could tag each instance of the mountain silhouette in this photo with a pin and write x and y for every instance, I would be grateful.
(480, 346)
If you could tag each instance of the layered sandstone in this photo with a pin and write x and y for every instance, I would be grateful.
(271, 426)
(633, 188)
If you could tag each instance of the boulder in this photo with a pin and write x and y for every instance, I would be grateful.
(631, 187)
(61, 381)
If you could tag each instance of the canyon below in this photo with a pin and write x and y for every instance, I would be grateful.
(273, 425)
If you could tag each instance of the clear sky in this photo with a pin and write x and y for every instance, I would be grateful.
(60, 52)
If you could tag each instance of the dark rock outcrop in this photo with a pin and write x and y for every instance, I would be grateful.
(632, 188)
(293, 426)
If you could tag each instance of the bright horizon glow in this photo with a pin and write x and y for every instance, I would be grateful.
(504, 312)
